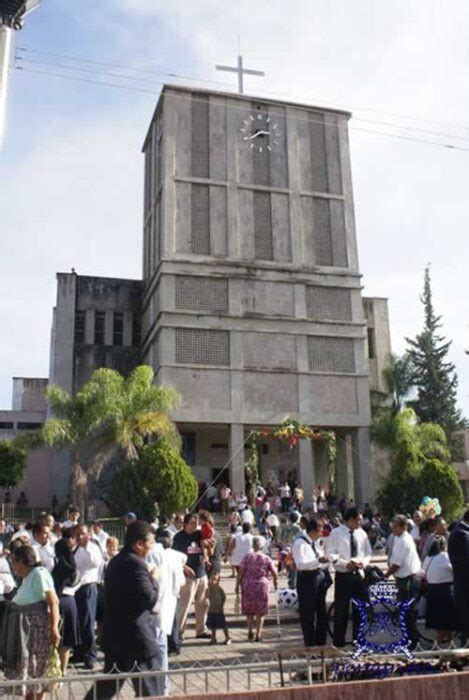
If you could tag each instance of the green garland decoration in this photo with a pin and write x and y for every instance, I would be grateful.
(291, 431)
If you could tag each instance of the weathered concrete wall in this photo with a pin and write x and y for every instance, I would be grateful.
(291, 336)
(378, 340)
(28, 394)
(29, 413)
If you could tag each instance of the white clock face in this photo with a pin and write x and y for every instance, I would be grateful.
(260, 132)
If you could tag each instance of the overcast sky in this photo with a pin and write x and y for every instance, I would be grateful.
(71, 168)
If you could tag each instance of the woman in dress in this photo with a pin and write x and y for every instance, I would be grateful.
(66, 582)
(31, 622)
(239, 546)
(254, 573)
(440, 599)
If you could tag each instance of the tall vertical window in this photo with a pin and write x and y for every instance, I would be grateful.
(136, 331)
(200, 220)
(322, 232)
(118, 329)
(263, 244)
(371, 344)
(99, 326)
(80, 321)
(200, 160)
(261, 159)
(318, 152)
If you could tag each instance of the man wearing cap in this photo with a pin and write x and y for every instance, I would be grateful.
(129, 518)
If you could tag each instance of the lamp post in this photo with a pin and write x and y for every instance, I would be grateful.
(12, 14)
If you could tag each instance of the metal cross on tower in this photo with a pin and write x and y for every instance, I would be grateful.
(240, 71)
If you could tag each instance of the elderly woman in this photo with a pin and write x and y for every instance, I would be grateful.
(440, 599)
(254, 572)
(31, 622)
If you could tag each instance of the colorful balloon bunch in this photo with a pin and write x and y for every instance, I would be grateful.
(430, 507)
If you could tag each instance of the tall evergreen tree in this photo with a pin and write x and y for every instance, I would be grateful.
(434, 375)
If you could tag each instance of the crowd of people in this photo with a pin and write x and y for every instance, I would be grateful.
(72, 586)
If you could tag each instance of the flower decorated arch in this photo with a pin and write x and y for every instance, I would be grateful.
(291, 431)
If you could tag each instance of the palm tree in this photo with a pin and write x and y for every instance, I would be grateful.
(108, 415)
(398, 379)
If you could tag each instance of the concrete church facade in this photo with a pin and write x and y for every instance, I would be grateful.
(251, 300)
(252, 293)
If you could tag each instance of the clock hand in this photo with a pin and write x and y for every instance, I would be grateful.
(253, 136)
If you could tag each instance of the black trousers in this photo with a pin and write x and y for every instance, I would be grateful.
(312, 607)
(409, 587)
(347, 586)
(174, 644)
(146, 687)
(461, 601)
(86, 599)
(286, 503)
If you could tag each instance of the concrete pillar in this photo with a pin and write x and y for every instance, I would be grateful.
(307, 476)
(237, 458)
(363, 470)
(345, 481)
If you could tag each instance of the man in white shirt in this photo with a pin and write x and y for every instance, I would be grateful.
(73, 518)
(89, 561)
(99, 535)
(49, 520)
(273, 523)
(285, 496)
(176, 525)
(22, 532)
(311, 583)
(42, 546)
(417, 520)
(405, 565)
(170, 567)
(247, 516)
(350, 551)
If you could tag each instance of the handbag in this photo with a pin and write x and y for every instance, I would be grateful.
(53, 668)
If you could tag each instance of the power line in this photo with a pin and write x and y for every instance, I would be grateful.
(123, 67)
(86, 80)
(128, 67)
(160, 82)
(399, 137)
(92, 71)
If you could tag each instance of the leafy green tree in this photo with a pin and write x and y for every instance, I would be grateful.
(12, 464)
(433, 374)
(419, 467)
(108, 416)
(159, 480)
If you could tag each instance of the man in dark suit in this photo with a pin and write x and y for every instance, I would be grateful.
(458, 551)
(130, 594)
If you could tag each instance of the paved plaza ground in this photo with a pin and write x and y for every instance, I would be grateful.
(280, 631)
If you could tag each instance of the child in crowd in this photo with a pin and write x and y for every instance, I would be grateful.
(112, 548)
(208, 537)
(208, 534)
(216, 616)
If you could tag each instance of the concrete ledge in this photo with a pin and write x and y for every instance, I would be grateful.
(433, 687)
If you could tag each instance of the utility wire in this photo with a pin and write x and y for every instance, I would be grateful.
(92, 71)
(218, 82)
(86, 80)
(159, 82)
(399, 137)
